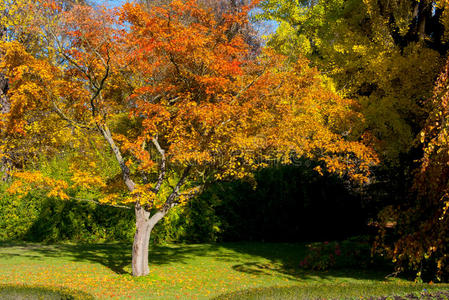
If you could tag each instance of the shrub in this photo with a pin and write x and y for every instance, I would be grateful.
(351, 253)
(38, 218)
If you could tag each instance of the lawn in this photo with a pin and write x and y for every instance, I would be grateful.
(187, 271)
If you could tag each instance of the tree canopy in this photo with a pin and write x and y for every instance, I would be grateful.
(174, 95)
(384, 54)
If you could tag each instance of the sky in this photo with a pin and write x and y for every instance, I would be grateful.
(109, 3)
(264, 28)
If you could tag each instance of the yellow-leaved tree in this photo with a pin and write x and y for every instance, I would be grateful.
(421, 244)
(384, 54)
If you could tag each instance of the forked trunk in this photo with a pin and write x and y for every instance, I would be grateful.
(141, 242)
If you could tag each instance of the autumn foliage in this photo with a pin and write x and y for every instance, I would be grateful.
(423, 223)
(175, 95)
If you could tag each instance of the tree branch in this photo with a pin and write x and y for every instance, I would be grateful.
(249, 85)
(100, 203)
(171, 200)
(169, 203)
(64, 117)
(162, 167)
(100, 86)
(196, 191)
(118, 155)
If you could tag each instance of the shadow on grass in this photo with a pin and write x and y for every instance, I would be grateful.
(283, 260)
(344, 291)
(14, 292)
(261, 259)
(113, 256)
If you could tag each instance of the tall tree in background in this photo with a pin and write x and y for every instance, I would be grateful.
(25, 21)
(15, 24)
(385, 54)
(4, 109)
(178, 101)
(421, 243)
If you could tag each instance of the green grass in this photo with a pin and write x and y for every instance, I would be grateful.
(332, 291)
(9, 292)
(188, 272)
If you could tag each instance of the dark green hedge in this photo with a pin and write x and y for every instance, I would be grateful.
(287, 203)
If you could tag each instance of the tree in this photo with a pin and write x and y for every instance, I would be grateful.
(420, 243)
(384, 54)
(178, 101)
(24, 21)
(4, 108)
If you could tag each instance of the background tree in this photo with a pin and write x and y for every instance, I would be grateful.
(27, 22)
(420, 242)
(384, 54)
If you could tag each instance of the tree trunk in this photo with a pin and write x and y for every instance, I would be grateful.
(5, 168)
(5, 106)
(141, 242)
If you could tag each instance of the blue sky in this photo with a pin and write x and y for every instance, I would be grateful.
(109, 3)
(264, 28)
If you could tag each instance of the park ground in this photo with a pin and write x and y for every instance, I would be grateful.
(201, 271)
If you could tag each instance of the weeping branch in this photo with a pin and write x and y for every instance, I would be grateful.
(100, 203)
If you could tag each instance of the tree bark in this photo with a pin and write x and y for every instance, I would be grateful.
(141, 242)
(144, 226)
(5, 106)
